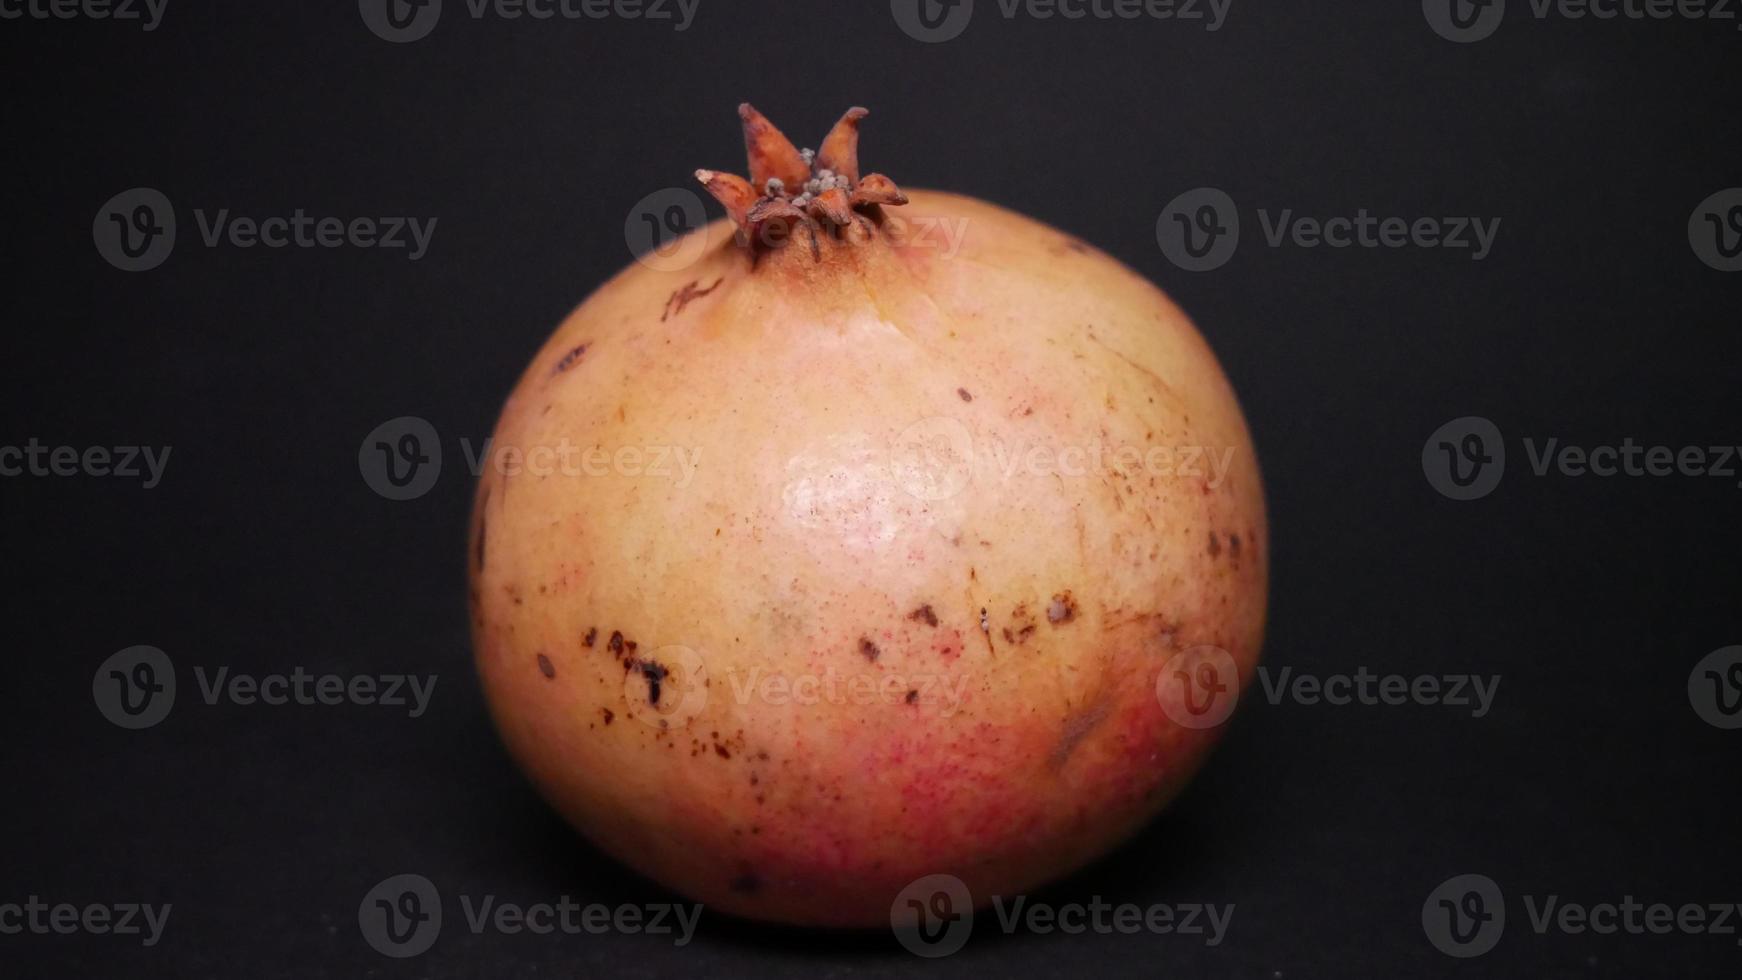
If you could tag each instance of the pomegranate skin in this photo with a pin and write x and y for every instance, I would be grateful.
(898, 617)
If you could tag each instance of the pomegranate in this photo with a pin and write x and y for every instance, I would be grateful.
(893, 535)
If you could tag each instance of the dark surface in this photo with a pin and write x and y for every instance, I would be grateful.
(263, 549)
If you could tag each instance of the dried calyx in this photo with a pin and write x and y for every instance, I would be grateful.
(789, 187)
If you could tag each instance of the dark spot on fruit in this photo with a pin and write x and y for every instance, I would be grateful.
(654, 674)
(720, 750)
(924, 614)
(610, 716)
(1234, 545)
(681, 298)
(1062, 609)
(592, 634)
(867, 649)
(1215, 545)
(748, 882)
(615, 645)
(963, 392)
(545, 667)
(572, 358)
(913, 696)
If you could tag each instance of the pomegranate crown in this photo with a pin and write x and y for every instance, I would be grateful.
(822, 187)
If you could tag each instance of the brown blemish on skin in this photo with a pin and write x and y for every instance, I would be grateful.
(608, 714)
(545, 667)
(572, 358)
(1076, 728)
(1019, 637)
(1062, 610)
(963, 392)
(592, 634)
(681, 298)
(1234, 545)
(1215, 545)
(924, 614)
(867, 649)
(720, 750)
(615, 644)
(654, 674)
(913, 696)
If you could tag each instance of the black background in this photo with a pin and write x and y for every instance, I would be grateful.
(264, 549)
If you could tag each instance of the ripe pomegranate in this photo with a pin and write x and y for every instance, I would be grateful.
(894, 535)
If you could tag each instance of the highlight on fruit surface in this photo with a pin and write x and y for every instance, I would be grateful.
(896, 535)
